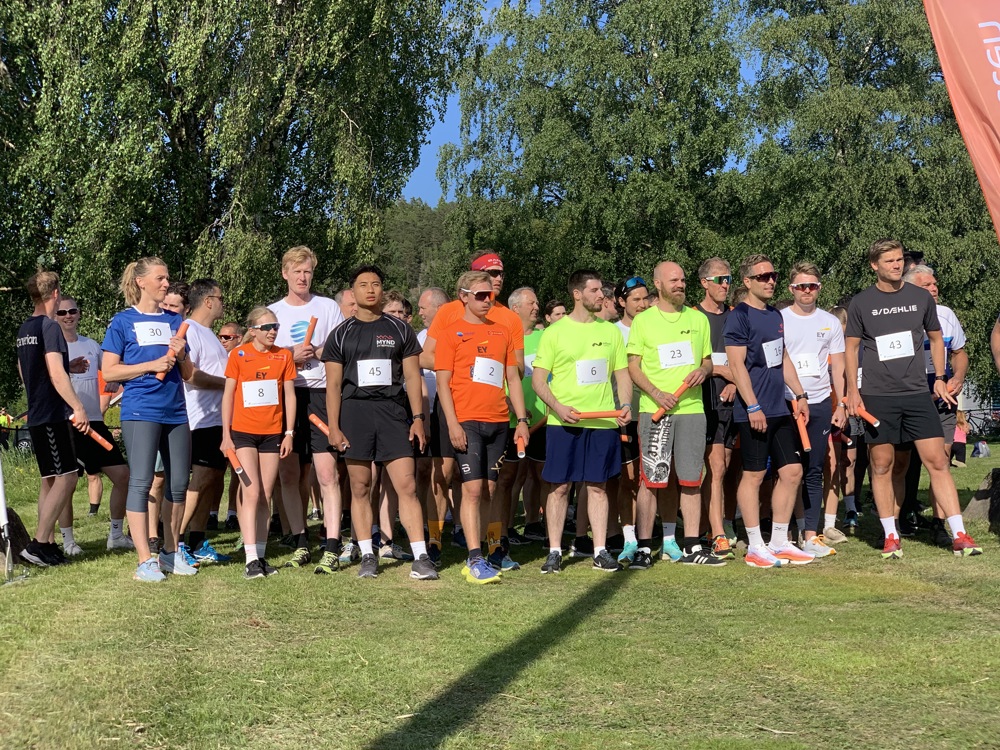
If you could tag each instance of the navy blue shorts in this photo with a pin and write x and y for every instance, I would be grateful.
(581, 454)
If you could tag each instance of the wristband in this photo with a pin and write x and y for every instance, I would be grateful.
(800, 397)
(289, 433)
(418, 416)
(753, 408)
(627, 406)
(942, 378)
(523, 420)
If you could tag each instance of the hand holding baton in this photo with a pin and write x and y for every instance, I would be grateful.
(99, 439)
(181, 333)
(609, 414)
(237, 467)
(800, 422)
(519, 442)
(865, 415)
(659, 413)
(310, 331)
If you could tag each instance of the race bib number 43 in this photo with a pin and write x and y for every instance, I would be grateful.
(894, 345)
(152, 334)
(591, 371)
(678, 354)
(374, 372)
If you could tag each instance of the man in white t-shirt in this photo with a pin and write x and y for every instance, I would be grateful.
(814, 340)
(203, 399)
(295, 312)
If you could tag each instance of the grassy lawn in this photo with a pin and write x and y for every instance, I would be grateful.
(849, 652)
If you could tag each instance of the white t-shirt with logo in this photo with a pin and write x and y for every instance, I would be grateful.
(809, 341)
(204, 405)
(294, 320)
(85, 383)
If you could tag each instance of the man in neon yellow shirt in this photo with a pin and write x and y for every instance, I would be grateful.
(583, 353)
(670, 346)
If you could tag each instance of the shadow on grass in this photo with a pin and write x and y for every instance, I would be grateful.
(460, 703)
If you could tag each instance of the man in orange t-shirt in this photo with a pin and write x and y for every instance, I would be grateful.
(474, 357)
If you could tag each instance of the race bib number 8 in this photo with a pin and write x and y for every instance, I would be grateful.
(374, 372)
(807, 365)
(152, 334)
(260, 393)
(487, 371)
(894, 345)
(773, 352)
(591, 371)
(677, 354)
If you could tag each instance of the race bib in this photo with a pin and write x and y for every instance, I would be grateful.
(677, 354)
(929, 368)
(374, 372)
(488, 372)
(152, 334)
(807, 365)
(591, 371)
(773, 352)
(529, 362)
(260, 393)
(311, 369)
(859, 377)
(720, 359)
(894, 345)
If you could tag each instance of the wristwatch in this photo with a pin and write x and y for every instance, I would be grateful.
(942, 378)
(523, 420)
(418, 416)
(800, 397)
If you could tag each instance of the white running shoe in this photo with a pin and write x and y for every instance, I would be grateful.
(817, 547)
(788, 552)
(72, 549)
(120, 542)
(174, 563)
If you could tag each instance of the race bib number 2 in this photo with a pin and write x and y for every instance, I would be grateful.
(591, 371)
(152, 334)
(487, 371)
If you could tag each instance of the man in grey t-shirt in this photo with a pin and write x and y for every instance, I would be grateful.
(889, 319)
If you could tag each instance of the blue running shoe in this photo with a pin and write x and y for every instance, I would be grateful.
(149, 571)
(481, 572)
(207, 553)
(501, 561)
(188, 557)
(671, 551)
(458, 539)
(628, 552)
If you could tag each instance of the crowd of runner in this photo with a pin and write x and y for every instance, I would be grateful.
(622, 402)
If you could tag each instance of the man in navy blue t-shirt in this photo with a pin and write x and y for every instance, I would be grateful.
(43, 362)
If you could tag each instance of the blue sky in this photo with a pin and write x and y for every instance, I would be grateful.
(423, 182)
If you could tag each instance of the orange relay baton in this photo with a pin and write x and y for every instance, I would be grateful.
(99, 439)
(866, 415)
(320, 424)
(803, 434)
(310, 331)
(237, 467)
(519, 442)
(659, 413)
(610, 414)
(182, 332)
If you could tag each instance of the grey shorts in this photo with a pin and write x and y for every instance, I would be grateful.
(677, 439)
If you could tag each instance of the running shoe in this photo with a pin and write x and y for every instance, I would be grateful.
(605, 563)
(480, 572)
(503, 562)
(93, 509)
(188, 557)
(254, 569)
(761, 557)
(149, 571)
(817, 547)
(328, 563)
(434, 552)
(790, 553)
(288, 541)
(377, 539)
(369, 566)
(641, 561)
(299, 558)
(583, 546)
(120, 542)
(964, 546)
(72, 549)
(207, 553)
(314, 515)
(350, 553)
(851, 522)
(213, 523)
(628, 552)
(553, 563)
(615, 544)
(36, 554)
(671, 551)
(392, 551)
(833, 535)
(535, 532)
(939, 534)
(423, 569)
(700, 556)
(232, 523)
(173, 562)
(722, 549)
(55, 554)
(892, 550)
(268, 568)
(516, 538)
(458, 539)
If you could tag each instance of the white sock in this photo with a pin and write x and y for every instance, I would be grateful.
(829, 520)
(231, 514)
(366, 546)
(213, 514)
(250, 550)
(555, 549)
(261, 547)
(957, 524)
(669, 530)
(801, 524)
(418, 549)
(779, 534)
(67, 535)
(628, 531)
(754, 536)
(598, 550)
(116, 527)
(850, 504)
(889, 526)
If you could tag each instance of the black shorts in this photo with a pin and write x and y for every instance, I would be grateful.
(948, 415)
(54, 448)
(721, 427)
(439, 442)
(309, 438)
(536, 446)
(630, 449)
(779, 442)
(260, 443)
(205, 442)
(377, 430)
(92, 457)
(902, 419)
(510, 451)
(484, 450)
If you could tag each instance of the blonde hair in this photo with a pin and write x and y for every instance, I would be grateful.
(42, 286)
(840, 313)
(467, 279)
(136, 270)
(296, 255)
(252, 319)
(804, 268)
(961, 422)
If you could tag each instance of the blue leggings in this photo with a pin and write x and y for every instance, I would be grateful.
(142, 441)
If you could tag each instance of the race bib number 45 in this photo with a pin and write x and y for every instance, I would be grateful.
(591, 371)
(374, 372)
(894, 345)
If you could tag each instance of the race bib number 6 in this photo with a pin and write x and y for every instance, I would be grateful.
(677, 354)
(591, 371)
(374, 372)
(152, 334)
(894, 345)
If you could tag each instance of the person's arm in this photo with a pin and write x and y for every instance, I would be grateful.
(837, 369)
(427, 354)
(334, 385)
(455, 431)
(937, 358)
(113, 369)
(959, 369)
(516, 399)
(852, 346)
(665, 400)
(540, 384)
(201, 379)
(414, 392)
(64, 387)
(800, 405)
(624, 384)
(995, 344)
(228, 396)
(288, 439)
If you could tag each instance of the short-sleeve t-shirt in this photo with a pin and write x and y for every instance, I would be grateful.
(762, 333)
(454, 311)
(535, 406)
(712, 392)
(810, 341)
(372, 355)
(204, 405)
(294, 322)
(891, 327)
(40, 335)
(954, 340)
(477, 355)
(670, 347)
(87, 384)
(582, 358)
(137, 338)
(430, 377)
(259, 400)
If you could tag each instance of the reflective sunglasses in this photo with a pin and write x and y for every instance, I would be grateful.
(807, 286)
(228, 336)
(71, 311)
(765, 277)
(636, 281)
(727, 279)
(267, 327)
(481, 296)
(496, 273)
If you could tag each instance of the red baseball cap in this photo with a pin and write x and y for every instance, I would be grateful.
(489, 260)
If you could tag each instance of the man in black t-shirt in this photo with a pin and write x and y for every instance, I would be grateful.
(890, 319)
(369, 359)
(43, 362)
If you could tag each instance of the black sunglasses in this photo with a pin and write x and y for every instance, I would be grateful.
(267, 327)
(496, 273)
(765, 277)
(228, 336)
(71, 311)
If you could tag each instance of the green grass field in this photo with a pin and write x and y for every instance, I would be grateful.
(849, 652)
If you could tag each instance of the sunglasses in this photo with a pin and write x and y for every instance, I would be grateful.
(765, 277)
(632, 283)
(807, 286)
(267, 327)
(228, 336)
(727, 279)
(496, 273)
(71, 311)
(481, 296)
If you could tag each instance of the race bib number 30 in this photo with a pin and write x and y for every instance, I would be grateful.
(773, 352)
(260, 393)
(374, 372)
(894, 345)
(152, 334)
(591, 371)
(488, 372)
(678, 354)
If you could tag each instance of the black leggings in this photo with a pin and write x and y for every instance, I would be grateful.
(142, 441)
